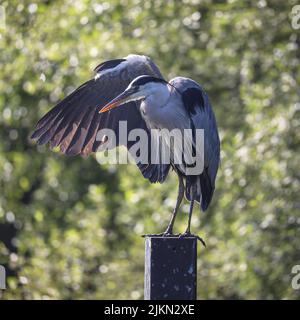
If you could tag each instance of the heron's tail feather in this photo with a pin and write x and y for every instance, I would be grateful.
(200, 189)
(207, 189)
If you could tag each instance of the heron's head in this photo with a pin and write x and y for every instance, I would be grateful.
(140, 88)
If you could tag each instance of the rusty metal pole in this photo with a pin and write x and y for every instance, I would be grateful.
(170, 268)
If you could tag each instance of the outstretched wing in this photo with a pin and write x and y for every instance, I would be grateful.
(74, 124)
(196, 102)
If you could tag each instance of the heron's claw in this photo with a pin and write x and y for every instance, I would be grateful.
(189, 234)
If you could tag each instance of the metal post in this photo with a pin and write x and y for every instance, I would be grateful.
(170, 268)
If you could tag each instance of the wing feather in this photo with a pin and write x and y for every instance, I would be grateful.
(74, 123)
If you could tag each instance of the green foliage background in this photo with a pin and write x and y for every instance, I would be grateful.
(79, 224)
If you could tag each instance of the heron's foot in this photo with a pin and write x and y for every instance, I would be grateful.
(189, 234)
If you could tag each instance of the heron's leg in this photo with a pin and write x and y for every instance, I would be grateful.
(188, 229)
(169, 230)
(187, 232)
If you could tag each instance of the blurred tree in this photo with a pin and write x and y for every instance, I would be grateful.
(74, 227)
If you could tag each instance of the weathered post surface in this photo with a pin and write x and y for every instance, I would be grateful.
(170, 268)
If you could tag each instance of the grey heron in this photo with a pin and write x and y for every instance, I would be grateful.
(133, 89)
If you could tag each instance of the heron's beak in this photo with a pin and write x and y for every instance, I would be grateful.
(124, 97)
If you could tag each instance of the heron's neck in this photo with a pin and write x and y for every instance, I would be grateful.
(158, 96)
(153, 106)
